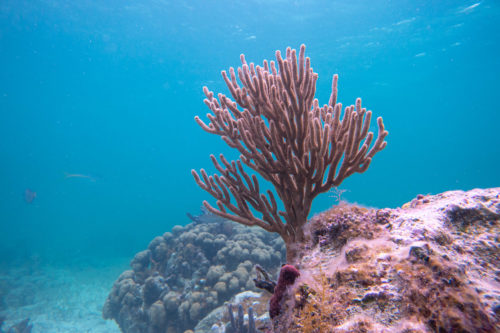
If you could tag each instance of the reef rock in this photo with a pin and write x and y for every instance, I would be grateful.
(431, 266)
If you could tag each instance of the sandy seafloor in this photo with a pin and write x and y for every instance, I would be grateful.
(59, 298)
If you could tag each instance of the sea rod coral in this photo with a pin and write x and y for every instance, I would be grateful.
(284, 135)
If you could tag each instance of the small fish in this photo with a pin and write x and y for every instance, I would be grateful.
(468, 9)
(79, 175)
(405, 21)
(206, 217)
(29, 195)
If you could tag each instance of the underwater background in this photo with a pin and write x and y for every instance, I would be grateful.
(97, 100)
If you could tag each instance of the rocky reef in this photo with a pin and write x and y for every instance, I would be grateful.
(431, 266)
(187, 273)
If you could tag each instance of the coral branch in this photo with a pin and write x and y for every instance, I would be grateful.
(283, 134)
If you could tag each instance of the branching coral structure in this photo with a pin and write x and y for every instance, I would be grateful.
(284, 135)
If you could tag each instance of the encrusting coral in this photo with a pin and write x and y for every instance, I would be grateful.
(284, 135)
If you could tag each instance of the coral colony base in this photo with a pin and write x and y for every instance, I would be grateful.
(430, 266)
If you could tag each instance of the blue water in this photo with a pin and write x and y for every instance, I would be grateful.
(109, 90)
